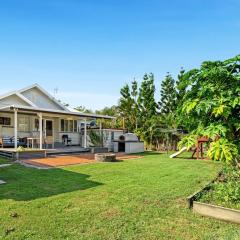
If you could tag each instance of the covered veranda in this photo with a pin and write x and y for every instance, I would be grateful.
(43, 114)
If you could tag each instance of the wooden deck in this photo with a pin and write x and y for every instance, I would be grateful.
(67, 150)
(28, 154)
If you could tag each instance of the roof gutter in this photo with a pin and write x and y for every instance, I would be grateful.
(42, 110)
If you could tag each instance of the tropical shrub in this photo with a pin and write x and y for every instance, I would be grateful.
(96, 138)
(223, 150)
(226, 190)
(211, 104)
(188, 142)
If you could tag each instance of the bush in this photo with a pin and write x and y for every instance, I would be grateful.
(223, 150)
(225, 191)
(188, 142)
(96, 138)
(229, 190)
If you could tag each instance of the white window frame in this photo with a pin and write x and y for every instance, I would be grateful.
(25, 125)
(67, 123)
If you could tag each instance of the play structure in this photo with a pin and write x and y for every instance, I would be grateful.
(198, 151)
(178, 153)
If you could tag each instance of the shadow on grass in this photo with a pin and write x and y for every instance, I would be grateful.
(25, 184)
(148, 153)
(185, 157)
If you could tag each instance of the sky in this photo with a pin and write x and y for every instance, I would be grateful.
(88, 49)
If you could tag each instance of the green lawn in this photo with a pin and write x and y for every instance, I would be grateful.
(134, 199)
(3, 161)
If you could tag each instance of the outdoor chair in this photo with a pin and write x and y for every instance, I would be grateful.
(9, 142)
(66, 140)
(48, 141)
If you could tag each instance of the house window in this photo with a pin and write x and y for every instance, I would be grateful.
(70, 122)
(65, 125)
(36, 124)
(62, 125)
(5, 121)
(75, 126)
(68, 125)
(23, 124)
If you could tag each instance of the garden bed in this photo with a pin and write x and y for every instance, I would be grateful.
(220, 198)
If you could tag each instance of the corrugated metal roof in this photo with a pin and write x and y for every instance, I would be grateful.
(43, 110)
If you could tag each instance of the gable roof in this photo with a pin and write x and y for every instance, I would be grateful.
(26, 100)
(16, 93)
(34, 108)
(62, 112)
(48, 95)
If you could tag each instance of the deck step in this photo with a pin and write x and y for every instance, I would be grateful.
(6, 154)
(66, 151)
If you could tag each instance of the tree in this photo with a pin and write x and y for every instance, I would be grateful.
(126, 108)
(134, 93)
(168, 93)
(147, 108)
(63, 103)
(181, 88)
(110, 111)
(212, 105)
(83, 109)
(146, 99)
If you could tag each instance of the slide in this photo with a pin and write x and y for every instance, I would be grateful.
(178, 153)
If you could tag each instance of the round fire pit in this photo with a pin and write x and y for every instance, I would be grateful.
(105, 157)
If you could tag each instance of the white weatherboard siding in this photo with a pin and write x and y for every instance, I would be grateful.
(12, 100)
(23, 130)
(76, 137)
(26, 128)
(33, 103)
(40, 99)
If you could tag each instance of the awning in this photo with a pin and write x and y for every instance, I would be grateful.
(52, 111)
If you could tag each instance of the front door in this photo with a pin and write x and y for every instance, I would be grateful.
(49, 128)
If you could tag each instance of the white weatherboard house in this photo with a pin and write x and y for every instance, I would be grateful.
(34, 115)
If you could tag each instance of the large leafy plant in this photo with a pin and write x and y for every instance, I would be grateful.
(188, 141)
(212, 104)
(223, 150)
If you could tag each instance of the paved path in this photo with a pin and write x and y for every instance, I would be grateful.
(58, 161)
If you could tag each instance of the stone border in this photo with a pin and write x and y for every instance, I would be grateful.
(210, 210)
